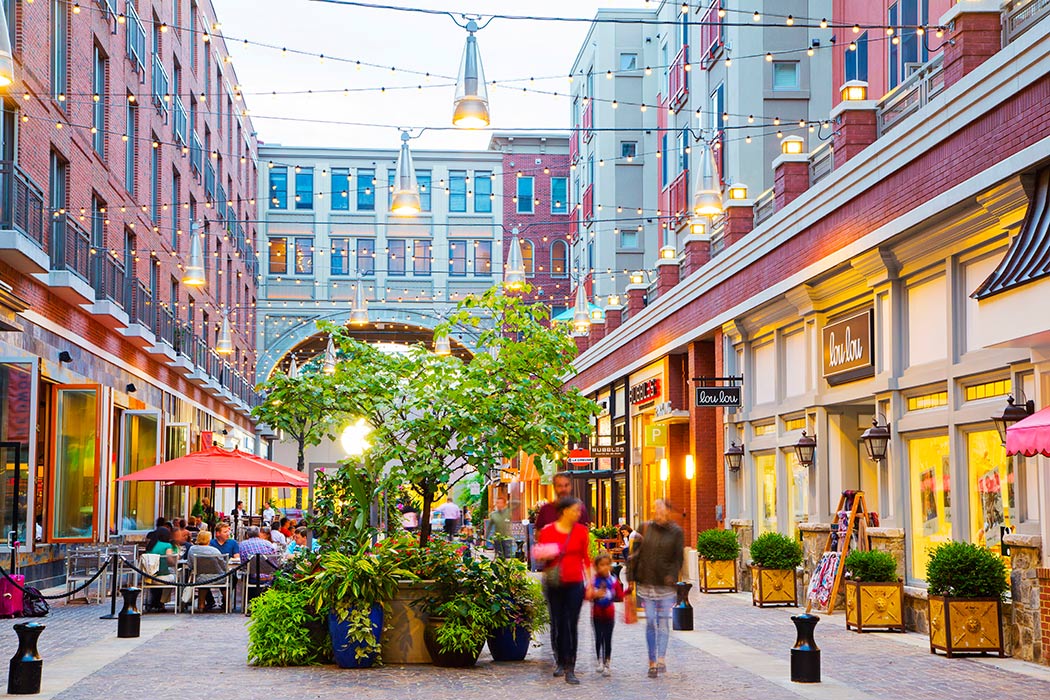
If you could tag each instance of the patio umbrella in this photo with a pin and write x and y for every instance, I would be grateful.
(1031, 436)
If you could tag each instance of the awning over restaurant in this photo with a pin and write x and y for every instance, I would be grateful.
(215, 466)
(1031, 436)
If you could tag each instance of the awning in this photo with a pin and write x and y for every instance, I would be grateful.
(1031, 436)
(566, 315)
(215, 466)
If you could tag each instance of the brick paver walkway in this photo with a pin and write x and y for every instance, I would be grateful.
(736, 652)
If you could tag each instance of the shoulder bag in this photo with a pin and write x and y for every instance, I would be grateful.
(552, 574)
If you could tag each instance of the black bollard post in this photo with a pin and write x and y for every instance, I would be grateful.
(682, 613)
(805, 655)
(23, 677)
(113, 571)
(129, 621)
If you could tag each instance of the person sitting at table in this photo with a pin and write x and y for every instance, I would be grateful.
(203, 548)
(278, 538)
(287, 527)
(151, 536)
(180, 537)
(169, 556)
(223, 542)
(298, 543)
(252, 545)
(192, 526)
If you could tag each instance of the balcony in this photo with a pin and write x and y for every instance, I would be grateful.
(108, 280)
(678, 198)
(179, 121)
(678, 78)
(910, 96)
(712, 35)
(574, 144)
(160, 85)
(136, 35)
(588, 204)
(70, 271)
(209, 181)
(1021, 15)
(24, 235)
(196, 153)
(139, 306)
(588, 120)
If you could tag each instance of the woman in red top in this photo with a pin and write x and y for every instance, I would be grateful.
(565, 546)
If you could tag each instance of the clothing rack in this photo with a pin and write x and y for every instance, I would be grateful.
(851, 520)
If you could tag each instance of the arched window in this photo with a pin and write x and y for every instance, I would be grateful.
(559, 259)
(528, 256)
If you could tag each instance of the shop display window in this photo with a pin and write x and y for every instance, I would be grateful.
(993, 495)
(140, 450)
(75, 463)
(16, 404)
(766, 474)
(931, 498)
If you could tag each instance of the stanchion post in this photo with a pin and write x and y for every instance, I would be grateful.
(129, 621)
(805, 655)
(113, 588)
(26, 666)
(682, 612)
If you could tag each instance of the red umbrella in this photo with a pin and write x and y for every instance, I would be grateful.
(1031, 436)
(217, 467)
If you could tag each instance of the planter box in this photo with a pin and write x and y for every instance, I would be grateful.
(966, 625)
(874, 606)
(773, 587)
(717, 575)
(402, 640)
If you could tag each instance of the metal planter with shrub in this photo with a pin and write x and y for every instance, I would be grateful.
(966, 587)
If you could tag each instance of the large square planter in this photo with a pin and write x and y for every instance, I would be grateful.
(966, 625)
(771, 587)
(403, 634)
(874, 606)
(717, 575)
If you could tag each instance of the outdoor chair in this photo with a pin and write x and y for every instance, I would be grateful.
(255, 584)
(203, 568)
(150, 563)
(82, 563)
(126, 554)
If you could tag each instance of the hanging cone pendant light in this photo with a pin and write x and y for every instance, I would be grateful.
(193, 274)
(707, 194)
(442, 345)
(7, 61)
(328, 367)
(514, 277)
(293, 369)
(581, 315)
(359, 312)
(404, 199)
(225, 344)
(471, 110)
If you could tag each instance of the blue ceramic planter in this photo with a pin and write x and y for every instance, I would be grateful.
(344, 652)
(509, 644)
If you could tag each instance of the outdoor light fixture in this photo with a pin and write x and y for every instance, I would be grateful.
(698, 227)
(665, 469)
(804, 449)
(442, 345)
(7, 61)
(193, 275)
(792, 145)
(581, 315)
(690, 467)
(614, 300)
(131, 388)
(734, 455)
(471, 109)
(293, 369)
(328, 366)
(355, 438)
(638, 277)
(514, 277)
(1012, 414)
(737, 191)
(64, 357)
(854, 91)
(404, 200)
(707, 196)
(359, 311)
(224, 346)
(667, 252)
(876, 440)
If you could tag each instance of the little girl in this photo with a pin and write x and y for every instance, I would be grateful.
(606, 590)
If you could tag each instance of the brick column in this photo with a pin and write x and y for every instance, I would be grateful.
(856, 128)
(582, 343)
(597, 331)
(613, 318)
(635, 299)
(1043, 575)
(667, 275)
(790, 178)
(974, 35)
(704, 432)
(740, 220)
(696, 254)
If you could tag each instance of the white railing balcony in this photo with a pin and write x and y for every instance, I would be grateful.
(136, 34)
(179, 122)
(911, 95)
(160, 84)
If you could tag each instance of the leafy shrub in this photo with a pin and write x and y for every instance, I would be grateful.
(285, 631)
(874, 566)
(718, 544)
(522, 602)
(608, 532)
(775, 551)
(465, 595)
(964, 570)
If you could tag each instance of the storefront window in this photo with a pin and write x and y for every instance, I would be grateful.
(76, 463)
(992, 488)
(766, 476)
(176, 444)
(799, 479)
(139, 498)
(931, 497)
(16, 403)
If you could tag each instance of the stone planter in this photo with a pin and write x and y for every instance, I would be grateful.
(966, 625)
(717, 575)
(771, 587)
(402, 640)
(874, 606)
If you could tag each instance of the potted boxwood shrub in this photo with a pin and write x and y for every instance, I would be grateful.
(874, 593)
(718, 549)
(774, 561)
(522, 611)
(285, 630)
(462, 609)
(966, 587)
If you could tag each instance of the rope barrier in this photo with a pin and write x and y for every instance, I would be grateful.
(194, 584)
(67, 594)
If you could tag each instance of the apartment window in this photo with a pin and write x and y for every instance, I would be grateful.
(457, 191)
(628, 61)
(59, 49)
(559, 195)
(785, 75)
(59, 182)
(663, 160)
(457, 258)
(340, 256)
(131, 147)
(559, 259)
(278, 256)
(528, 256)
(279, 187)
(304, 188)
(395, 258)
(423, 180)
(629, 239)
(526, 191)
(98, 109)
(421, 258)
(482, 192)
(483, 257)
(987, 390)
(154, 183)
(911, 52)
(304, 256)
(176, 207)
(628, 149)
(366, 189)
(366, 256)
(857, 61)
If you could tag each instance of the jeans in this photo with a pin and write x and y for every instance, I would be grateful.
(565, 603)
(603, 630)
(504, 548)
(657, 626)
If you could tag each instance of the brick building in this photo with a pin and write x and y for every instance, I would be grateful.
(123, 125)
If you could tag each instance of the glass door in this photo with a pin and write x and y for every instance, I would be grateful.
(74, 477)
(139, 449)
(17, 418)
(176, 444)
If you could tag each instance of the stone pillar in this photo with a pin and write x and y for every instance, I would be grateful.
(613, 318)
(635, 299)
(740, 219)
(697, 252)
(1043, 576)
(745, 533)
(790, 178)
(975, 33)
(891, 540)
(856, 128)
(1021, 621)
(666, 275)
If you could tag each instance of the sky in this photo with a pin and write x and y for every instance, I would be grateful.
(427, 43)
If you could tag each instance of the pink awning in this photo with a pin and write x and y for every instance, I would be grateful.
(1031, 436)
(215, 466)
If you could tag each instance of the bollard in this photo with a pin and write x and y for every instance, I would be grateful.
(805, 655)
(682, 613)
(129, 621)
(23, 677)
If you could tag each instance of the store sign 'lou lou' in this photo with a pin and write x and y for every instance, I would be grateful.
(848, 353)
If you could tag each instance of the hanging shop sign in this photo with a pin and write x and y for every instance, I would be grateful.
(848, 352)
(608, 451)
(581, 456)
(646, 391)
(714, 396)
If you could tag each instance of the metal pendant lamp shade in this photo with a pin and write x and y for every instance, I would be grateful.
(293, 369)
(359, 312)
(707, 195)
(224, 346)
(442, 345)
(581, 315)
(514, 277)
(328, 367)
(404, 199)
(193, 275)
(7, 61)
(471, 110)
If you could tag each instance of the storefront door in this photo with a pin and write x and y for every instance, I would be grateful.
(17, 418)
(139, 449)
(75, 472)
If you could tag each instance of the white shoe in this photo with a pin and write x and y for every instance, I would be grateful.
(599, 667)
(605, 669)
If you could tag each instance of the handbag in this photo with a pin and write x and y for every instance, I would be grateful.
(552, 574)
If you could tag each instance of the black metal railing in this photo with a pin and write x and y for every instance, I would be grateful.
(140, 304)
(107, 278)
(164, 327)
(22, 205)
(70, 247)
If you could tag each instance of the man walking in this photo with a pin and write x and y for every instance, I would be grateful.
(499, 522)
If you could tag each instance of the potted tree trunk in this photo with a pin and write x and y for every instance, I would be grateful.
(718, 549)
(966, 587)
(775, 559)
(522, 612)
(874, 593)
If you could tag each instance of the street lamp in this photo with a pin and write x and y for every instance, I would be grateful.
(471, 110)
(224, 346)
(804, 449)
(359, 311)
(193, 275)
(707, 195)
(442, 345)
(876, 440)
(293, 369)
(355, 438)
(581, 315)
(1012, 414)
(328, 367)
(733, 456)
(404, 200)
(690, 467)
(514, 277)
